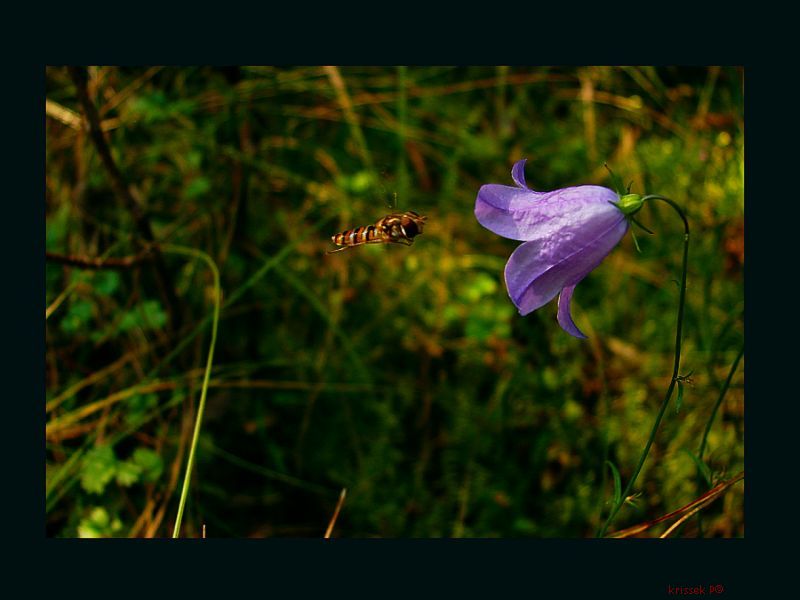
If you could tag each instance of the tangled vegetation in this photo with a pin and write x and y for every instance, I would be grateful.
(403, 374)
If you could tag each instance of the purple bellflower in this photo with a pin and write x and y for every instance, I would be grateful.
(567, 234)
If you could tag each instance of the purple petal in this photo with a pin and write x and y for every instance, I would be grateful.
(564, 316)
(521, 214)
(540, 268)
(518, 173)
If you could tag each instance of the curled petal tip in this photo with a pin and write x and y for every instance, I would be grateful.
(518, 173)
(522, 310)
(564, 316)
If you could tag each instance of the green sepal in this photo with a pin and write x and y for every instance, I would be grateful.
(641, 226)
(616, 181)
(630, 204)
(636, 242)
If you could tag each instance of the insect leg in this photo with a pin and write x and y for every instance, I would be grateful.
(338, 249)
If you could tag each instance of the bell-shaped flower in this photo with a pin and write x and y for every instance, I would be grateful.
(567, 233)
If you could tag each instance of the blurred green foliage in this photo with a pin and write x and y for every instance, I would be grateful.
(402, 374)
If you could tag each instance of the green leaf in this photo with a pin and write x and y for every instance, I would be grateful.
(679, 400)
(150, 463)
(78, 315)
(106, 282)
(478, 328)
(198, 187)
(617, 482)
(153, 314)
(98, 468)
(58, 224)
(98, 524)
(147, 315)
(479, 286)
(129, 320)
(93, 525)
(128, 473)
(194, 158)
(702, 467)
(358, 183)
(147, 105)
(138, 407)
(524, 526)
(480, 147)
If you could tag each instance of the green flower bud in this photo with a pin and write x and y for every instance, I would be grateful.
(630, 203)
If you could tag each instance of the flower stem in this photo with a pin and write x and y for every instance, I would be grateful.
(678, 331)
(722, 393)
(207, 375)
(701, 451)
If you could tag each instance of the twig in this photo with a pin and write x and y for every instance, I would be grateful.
(62, 114)
(693, 506)
(57, 302)
(335, 513)
(89, 262)
(72, 119)
(688, 515)
(118, 184)
(722, 487)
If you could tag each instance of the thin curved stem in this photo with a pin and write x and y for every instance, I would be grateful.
(207, 375)
(675, 368)
(717, 404)
(722, 393)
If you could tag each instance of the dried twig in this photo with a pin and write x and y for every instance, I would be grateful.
(71, 119)
(89, 262)
(683, 512)
(329, 530)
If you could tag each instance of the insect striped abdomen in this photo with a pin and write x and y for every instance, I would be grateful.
(396, 228)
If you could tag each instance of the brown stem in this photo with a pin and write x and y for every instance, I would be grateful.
(332, 522)
(123, 192)
(87, 262)
(688, 509)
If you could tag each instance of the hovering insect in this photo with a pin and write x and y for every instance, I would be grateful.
(395, 228)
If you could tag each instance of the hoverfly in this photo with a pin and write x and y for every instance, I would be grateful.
(395, 228)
